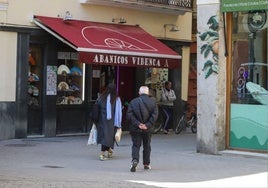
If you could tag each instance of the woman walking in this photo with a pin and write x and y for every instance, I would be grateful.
(109, 121)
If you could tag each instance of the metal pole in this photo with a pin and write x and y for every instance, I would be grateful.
(117, 79)
(251, 55)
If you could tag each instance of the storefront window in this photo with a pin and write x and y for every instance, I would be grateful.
(249, 88)
(70, 79)
(155, 79)
(35, 90)
(34, 75)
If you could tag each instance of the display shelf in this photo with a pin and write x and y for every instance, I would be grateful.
(33, 90)
(69, 80)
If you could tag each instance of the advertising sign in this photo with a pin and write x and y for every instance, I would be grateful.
(243, 5)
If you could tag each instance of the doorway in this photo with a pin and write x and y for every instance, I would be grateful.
(34, 90)
(126, 83)
(123, 77)
(126, 89)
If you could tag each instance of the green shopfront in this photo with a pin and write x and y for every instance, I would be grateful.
(247, 73)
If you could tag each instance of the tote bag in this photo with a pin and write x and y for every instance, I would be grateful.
(118, 135)
(92, 139)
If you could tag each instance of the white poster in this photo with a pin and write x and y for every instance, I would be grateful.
(51, 80)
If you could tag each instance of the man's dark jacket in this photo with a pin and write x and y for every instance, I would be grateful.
(142, 109)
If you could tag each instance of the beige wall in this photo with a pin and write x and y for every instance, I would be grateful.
(8, 51)
(20, 12)
(185, 27)
(185, 72)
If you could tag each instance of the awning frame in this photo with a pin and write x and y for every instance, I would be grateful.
(55, 35)
(165, 60)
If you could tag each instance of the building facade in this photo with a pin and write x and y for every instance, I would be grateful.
(51, 76)
(232, 75)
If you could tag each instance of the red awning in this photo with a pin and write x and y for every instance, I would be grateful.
(110, 44)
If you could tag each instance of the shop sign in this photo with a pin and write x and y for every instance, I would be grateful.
(125, 60)
(243, 5)
(256, 20)
(114, 59)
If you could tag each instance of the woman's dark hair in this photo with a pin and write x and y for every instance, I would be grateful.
(110, 89)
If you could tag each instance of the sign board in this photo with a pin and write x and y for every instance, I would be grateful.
(243, 5)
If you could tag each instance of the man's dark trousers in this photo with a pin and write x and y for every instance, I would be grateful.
(139, 138)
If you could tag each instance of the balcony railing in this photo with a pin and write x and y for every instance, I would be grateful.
(176, 3)
(163, 6)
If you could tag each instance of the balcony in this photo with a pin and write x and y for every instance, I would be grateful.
(175, 7)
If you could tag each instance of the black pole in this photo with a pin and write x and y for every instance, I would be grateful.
(251, 55)
(225, 40)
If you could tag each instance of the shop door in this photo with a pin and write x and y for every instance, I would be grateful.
(126, 87)
(34, 91)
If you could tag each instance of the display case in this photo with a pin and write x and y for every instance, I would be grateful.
(34, 84)
(70, 79)
(71, 109)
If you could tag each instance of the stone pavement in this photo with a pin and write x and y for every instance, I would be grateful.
(67, 162)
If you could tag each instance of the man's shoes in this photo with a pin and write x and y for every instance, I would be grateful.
(165, 132)
(133, 166)
(147, 167)
(103, 157)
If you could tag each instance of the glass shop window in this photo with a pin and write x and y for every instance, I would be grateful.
(250, 58)
(249, 105)
(34, 76)
(70, 79)
(155, 79)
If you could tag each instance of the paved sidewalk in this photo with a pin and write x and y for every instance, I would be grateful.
(67, 162)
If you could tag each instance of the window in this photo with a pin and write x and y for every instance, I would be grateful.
(249, 87)
(70, 81)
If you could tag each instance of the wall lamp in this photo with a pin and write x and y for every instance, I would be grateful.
(119, 20)
(173, 28)
(67, 16)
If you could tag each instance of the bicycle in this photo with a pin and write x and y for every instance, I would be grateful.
(192, 122)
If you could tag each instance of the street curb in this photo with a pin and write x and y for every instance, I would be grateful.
(244, 154)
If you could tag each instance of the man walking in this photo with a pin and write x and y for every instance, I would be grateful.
(142, 113)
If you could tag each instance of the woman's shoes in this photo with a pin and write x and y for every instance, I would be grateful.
(103, 157)
(110, 153)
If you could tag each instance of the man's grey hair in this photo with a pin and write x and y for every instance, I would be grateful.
(144, 90)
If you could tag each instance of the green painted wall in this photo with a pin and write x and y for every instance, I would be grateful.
(249, 127)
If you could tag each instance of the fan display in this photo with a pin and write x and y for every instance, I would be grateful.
(69, 83)
(76, 71)
(63, 86)
(63, 69)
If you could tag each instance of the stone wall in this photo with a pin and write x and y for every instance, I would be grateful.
(211, 79)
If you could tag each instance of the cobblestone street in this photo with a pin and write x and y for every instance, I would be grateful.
(67, 162)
